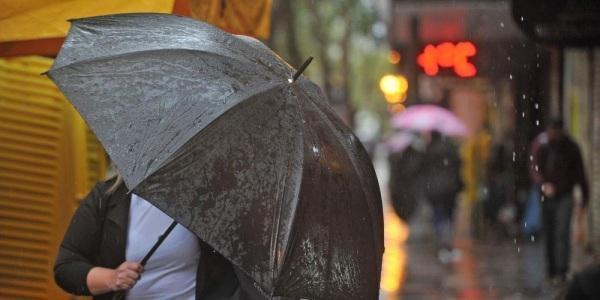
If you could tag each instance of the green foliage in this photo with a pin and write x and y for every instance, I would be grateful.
(338, 34)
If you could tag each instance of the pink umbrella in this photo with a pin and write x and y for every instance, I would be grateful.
(399, 141)
(427, 117)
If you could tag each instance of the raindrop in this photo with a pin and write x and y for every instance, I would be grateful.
(508, 58)
(510, 76)
(514, 156)
(537, 122)
(537, 65)
(522, 19)
(537, 106)
(515, 241)
(531, 157)
(532, 238)
(502, 24)
(523, 115)
(518, 249)
(537, 168)
(523, 96)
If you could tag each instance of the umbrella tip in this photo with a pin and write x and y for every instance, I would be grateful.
(301, 69)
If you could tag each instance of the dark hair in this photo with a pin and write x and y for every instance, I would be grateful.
(555, 123)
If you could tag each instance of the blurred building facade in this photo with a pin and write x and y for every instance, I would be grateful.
(502, 103)
(573, 27)
(534, 59)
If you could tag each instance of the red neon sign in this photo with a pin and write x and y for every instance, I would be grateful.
(448, 55)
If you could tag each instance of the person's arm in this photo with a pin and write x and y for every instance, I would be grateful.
(74, 269)
(534, 162)
(79, 245)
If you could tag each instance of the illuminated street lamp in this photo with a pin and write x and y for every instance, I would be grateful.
(394, 88)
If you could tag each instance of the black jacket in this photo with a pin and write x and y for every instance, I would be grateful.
(560, 162)
(441, 171)
(97, 236)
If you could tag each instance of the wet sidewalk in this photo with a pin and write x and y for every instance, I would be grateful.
(491, 268)
(496, 268)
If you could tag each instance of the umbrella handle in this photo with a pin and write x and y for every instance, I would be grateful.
(120, 295)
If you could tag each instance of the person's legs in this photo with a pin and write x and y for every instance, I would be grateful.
(438, 222)
(562, 239)
(548, 212)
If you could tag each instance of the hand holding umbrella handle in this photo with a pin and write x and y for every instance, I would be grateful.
(120, 295)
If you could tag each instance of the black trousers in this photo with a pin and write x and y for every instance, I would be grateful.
(556, 213)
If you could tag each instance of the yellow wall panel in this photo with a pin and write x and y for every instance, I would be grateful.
(48, 161)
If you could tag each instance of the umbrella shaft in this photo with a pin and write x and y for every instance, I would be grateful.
(158, 242)
(120, 295)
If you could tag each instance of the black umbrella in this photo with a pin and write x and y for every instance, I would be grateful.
(212, 129)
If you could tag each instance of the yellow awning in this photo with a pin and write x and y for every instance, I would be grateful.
(247, 17)
(41, 19)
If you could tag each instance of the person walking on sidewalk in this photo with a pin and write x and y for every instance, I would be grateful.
(557, 169)
(443, 182)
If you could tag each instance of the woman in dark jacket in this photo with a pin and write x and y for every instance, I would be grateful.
(92, 257)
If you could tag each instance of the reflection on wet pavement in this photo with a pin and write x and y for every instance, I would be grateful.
(486, 269)
(394, 258)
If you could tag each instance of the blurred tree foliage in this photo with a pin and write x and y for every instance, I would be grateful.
(349, 58)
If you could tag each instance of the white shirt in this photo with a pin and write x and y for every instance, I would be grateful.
(171, 271)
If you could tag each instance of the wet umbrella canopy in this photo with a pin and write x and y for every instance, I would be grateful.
(209, 128)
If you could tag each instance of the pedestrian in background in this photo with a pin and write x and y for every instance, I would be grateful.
(406, 180)
(442, 183)
(557, 169)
